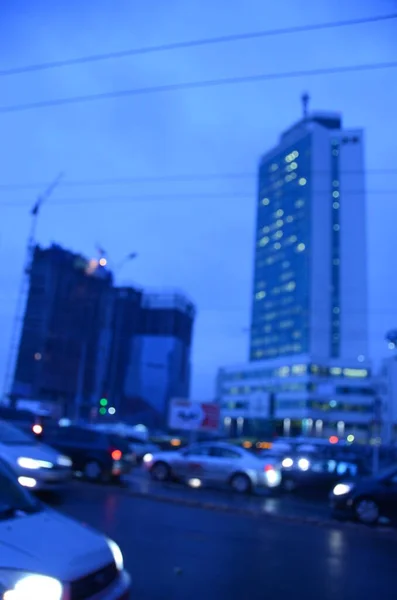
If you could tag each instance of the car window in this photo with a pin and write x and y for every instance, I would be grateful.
(197, 451)
(224, 452)
(75, 434)
(11, 435)
(119, 442)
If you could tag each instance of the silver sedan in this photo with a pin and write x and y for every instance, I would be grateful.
(215, 463)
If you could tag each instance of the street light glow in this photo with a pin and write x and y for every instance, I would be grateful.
(103, 262)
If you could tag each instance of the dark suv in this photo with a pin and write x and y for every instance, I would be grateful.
(97, 455)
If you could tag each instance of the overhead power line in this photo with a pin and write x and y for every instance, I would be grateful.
(181, 197)
(193, 85)
(174, 178)
(222, 39)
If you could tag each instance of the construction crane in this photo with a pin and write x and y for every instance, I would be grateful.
(23, 291)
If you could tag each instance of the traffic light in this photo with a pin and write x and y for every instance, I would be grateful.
(103, 402)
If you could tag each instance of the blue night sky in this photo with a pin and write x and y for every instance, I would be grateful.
(185, 238)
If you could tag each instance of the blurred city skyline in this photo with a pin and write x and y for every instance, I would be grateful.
(194, 234)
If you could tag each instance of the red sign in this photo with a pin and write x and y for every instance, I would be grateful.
(211, 415)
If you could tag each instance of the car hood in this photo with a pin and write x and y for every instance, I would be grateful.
(52, 544)
(11, 452)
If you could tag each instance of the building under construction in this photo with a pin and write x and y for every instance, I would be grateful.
(84, 341)
(60, 359)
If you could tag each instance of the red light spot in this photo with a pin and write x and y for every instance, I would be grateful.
(268, 468)
(116, 454)
(333, 439)
(37, 429)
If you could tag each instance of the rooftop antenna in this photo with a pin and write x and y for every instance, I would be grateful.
(305, 103)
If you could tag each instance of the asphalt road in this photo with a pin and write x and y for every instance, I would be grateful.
(174, 552)
(304, 505)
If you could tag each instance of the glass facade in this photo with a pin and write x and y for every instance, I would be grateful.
(280, 309)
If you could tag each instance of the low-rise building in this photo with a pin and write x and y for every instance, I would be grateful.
(298, 395)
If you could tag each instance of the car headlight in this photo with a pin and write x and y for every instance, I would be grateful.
(148, 458)
(117, 554)
(303, 464)
(18, 585)
(287, 463)
(32, 463)
(64, 461)
(342, 488)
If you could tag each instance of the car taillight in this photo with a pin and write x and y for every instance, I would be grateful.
(268, 468)
(115, 454)
(37, 429)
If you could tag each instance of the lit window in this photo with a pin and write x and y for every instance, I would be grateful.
(289, 158)
(265, 201)
(289, 219)
(300, 247)
(335, 371)
(274, 167)
(355, 372)
(290, 286)
(278, 234)
(266, 229)
(302, 181)
(290, 177)
(279, 223)
(279, 212)
(260, 295)
(263, 241)
(293, 165)
(335, 183)
(335, 194)
(336, 227)
(336, 205)
(292, 239)
(299, 203)
(277, 246)
(295, 154)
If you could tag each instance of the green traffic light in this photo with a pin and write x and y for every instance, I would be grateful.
(102, 411)
(103, 402)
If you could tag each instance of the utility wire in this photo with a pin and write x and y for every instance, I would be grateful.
(223, 39)
(194, 85)
(194, 177)
(182, 197)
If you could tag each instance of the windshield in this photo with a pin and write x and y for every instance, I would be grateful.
(11, 435)
(13, 497)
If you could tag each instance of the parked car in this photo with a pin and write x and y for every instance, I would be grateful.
(214, 463)
(98, 455)
(37, 466)
(141, 447)
(367, 499)
(45, 555)
(312, 471)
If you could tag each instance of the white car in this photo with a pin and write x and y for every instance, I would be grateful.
(36, 465)
(47, 556)
(215, 463)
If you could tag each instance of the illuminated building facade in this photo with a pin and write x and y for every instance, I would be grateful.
(310, 267)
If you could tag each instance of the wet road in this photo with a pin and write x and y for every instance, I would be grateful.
(309, 506)
(175, 552)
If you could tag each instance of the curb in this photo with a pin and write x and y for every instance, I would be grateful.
(250, 512)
